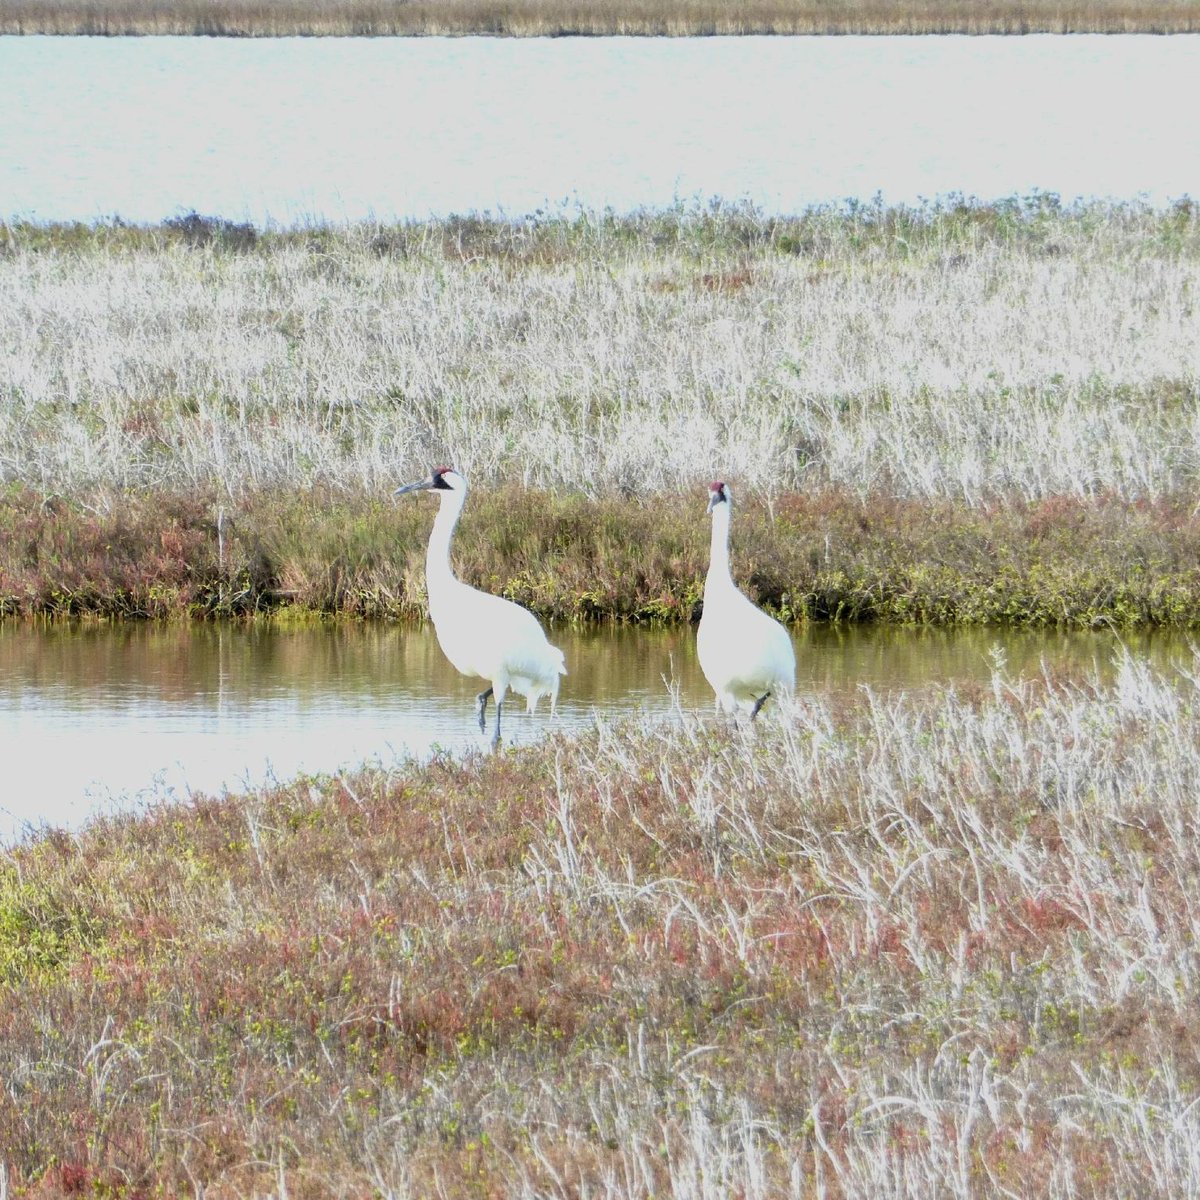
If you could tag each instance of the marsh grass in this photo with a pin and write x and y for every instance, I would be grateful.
(829, 556)
(931, 944)
(958, 413)
(967, 351)
(539, 18)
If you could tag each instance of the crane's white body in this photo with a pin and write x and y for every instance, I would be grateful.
(481, 634)
(745, 655)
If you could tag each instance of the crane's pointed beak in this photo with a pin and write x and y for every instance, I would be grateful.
(714, 498)
(420, 486)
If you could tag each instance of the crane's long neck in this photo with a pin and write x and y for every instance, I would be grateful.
(718, 555)
(438, 575)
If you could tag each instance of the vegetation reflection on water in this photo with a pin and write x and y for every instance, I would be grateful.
(93, 717)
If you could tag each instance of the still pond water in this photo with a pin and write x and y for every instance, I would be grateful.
(96, 718)
(292, 130)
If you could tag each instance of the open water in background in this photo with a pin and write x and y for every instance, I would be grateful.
(99, 717)
(298, 130)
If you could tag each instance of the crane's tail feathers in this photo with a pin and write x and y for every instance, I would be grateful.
(562, 660)
(552, 690)
(531, 701)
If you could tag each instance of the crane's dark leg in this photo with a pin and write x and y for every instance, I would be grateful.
(481, 709)
(496, 731)
(758, 704)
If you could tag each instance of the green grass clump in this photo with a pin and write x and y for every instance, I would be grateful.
(41, 927)
(947, 931)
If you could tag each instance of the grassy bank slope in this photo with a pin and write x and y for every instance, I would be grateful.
(963, 412)
(828, 556)
(538, 18)
(938, 945)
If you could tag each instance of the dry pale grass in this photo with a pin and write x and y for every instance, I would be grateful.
(969, 352)
(939, 945)
(542, 18)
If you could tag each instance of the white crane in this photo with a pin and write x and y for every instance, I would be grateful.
(481, 634)
(745, 655)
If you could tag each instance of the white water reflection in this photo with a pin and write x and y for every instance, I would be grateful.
(334, 129)
(93, 718)
(101, 717)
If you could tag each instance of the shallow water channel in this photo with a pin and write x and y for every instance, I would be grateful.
(100, 717)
